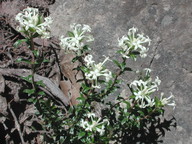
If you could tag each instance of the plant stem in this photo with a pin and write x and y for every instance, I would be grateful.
(32, 62)
(83, 64)
(119, 72)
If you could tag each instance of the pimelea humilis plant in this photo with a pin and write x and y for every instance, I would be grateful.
(83, 123)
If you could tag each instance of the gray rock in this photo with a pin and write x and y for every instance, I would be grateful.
(168, 23)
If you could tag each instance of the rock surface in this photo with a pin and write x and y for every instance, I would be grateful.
(168, 23)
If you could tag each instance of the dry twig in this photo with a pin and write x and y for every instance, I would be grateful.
(17, 126)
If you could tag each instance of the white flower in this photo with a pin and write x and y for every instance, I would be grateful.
(77, 38)
(101, 130)
(123, 105)
(147, 70)
(48, 22)
(89, 128)
(122, 43)
(89, 60)
(108, 75)
(32, 22)
(132, 31)
(96, 71)
(134, 42)
(93, 75)
(150, 101)
(94, 124)
(168, 101)
(157, 81)
(83, 123)
(86, 28)
(106, 121)
(91, 115)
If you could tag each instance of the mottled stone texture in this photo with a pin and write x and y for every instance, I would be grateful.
(167, 22)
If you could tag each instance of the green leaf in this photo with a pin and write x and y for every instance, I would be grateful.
(46, 60)
(84, 69)
(26, 61)
(128, 69)
(19, 42)
(124, 120)
(29, 91)
(127, 103)
(135, 52)
(36, 53)
(85, 88)
(30, 100)
(23, 60)
(28, 78)
(86, 47)
(120, 51)
(120, 65)
(80, 80)
(19, 60)
(41, 93)
(35, 35)
(133, 56)
(62, 139)
(81, 134)
(80, 98)
(132, 97)
(40, 19)
(75, 59)
(109, 84)
(70, 34)
(117, 63)
(40, 83)
(141, 113)
(157, 102)
(118, 81)
(131, 89)
(123, 64)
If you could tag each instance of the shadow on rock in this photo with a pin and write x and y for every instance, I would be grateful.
(150, 133)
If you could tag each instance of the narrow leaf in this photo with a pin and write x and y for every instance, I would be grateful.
(70, 34)
(117, 63)
(19, 42)
(81, 134)
(29, 91)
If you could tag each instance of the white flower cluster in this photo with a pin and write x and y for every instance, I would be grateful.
(31, 22)
(76, 39)
(143, 89)
(96, 70)
(134, 42)
(93, 124)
